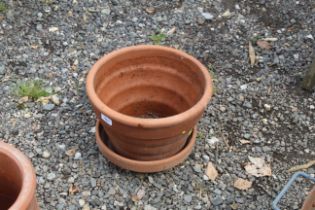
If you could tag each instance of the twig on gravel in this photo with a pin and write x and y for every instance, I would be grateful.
(251, 52)
(302, 167)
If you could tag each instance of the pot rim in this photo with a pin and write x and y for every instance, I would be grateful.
(28, 188)
(148, 123)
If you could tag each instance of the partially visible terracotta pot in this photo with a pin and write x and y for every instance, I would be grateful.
(149, 99)
(17, 180)
(309, 203)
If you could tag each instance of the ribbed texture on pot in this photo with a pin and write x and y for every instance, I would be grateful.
(140, 150)
(137, 165)
(145, 90)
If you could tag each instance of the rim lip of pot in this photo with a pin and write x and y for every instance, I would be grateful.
(198, 107)
(28, 188)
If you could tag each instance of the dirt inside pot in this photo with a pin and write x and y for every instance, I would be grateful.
(10, 182)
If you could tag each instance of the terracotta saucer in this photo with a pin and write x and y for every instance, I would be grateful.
(138, 165)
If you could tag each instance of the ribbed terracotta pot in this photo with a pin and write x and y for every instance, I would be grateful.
(149, 99)
(17, 180)
(309, 203)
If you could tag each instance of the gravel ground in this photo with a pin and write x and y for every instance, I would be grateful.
(58, 41)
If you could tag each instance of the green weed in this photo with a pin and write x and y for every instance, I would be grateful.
(254, 39)
(201, 135)
(3, 7)
(33, 89)
(158, 38)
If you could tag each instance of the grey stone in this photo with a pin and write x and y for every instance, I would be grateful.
(2, 69)
(217, 200)
(149, 207)
(197, 168)
(48, 107)
(187, 198)
(105, 11)
(93, 182)
(207, 15)
(51, 176)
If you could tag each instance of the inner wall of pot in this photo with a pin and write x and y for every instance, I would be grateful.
(10, 182)
(150, 84)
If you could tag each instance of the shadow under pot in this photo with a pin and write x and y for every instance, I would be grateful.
(17, 180)
(148, 99)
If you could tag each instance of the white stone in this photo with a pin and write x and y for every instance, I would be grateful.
(212, 140)
(243, 87)
(77, 156)
(53, 29)
(81, 202)
(267, 107)
(310, 36)
(55, 99)
(46, 154)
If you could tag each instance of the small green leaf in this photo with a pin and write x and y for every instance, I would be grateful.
(158, 38)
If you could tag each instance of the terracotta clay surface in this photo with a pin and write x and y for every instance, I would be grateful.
(138, 165)
(309, 203)
(148, 98)
(17, 180)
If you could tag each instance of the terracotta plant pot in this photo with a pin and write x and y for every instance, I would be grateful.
(149, 99)
(309, 203)
(141, 165)
(17, 180)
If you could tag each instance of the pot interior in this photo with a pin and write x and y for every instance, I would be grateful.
(150, 83)
(10, 181)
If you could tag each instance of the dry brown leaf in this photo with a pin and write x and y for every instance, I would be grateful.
(211, 172)
(34, 46)
(243, 141)
(227, 14)
(73, 189)
(259, 162)
(257, 167)
(242, 184)
(73, 67)
(70, 152)
(23, 100)
(302, 167)
(139, 195)
(44, 100)
(251, 52)
(150, 10)
(86, 207)
(234, 206)
(70, 13)
(264, 44)
(171, 31)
